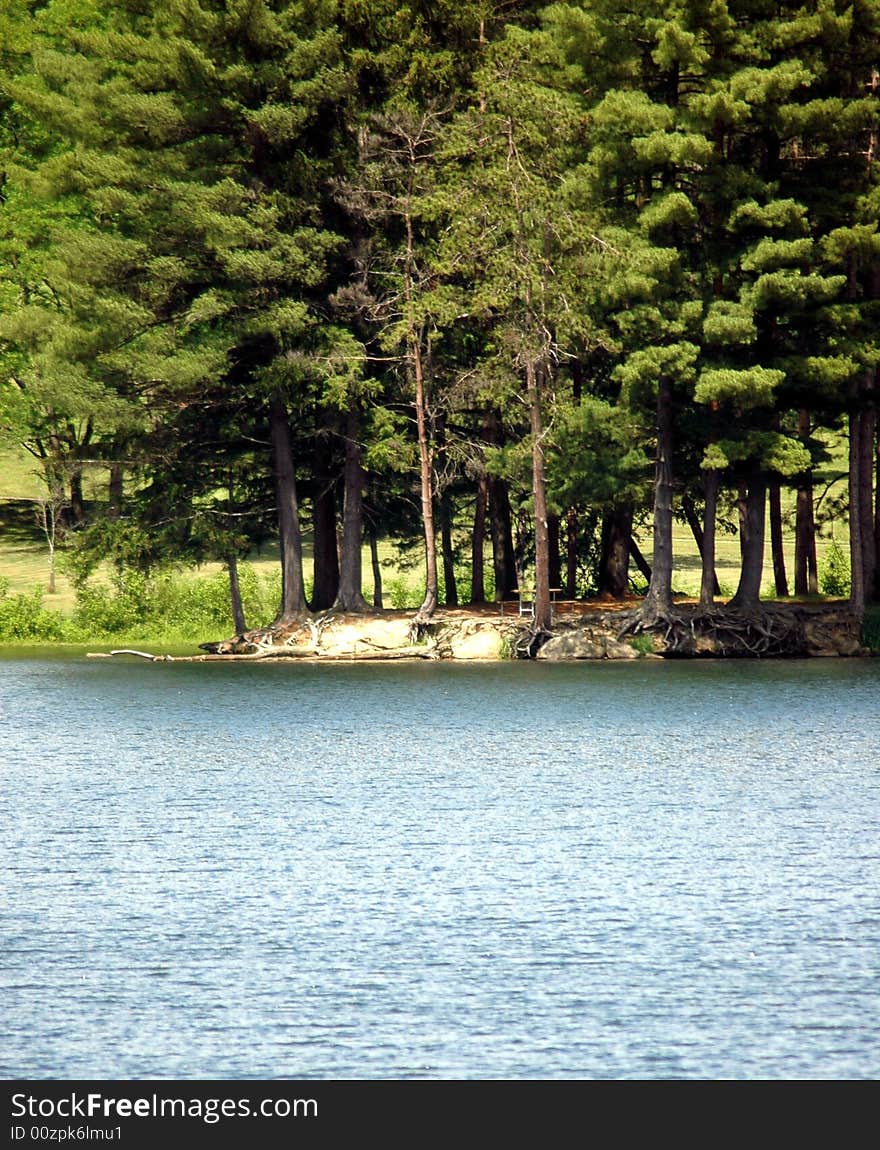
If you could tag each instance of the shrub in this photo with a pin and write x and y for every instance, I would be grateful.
(168, 604)
(113, 610)
(834, 572)
(23, 617)
(644, 644)
(400, 594)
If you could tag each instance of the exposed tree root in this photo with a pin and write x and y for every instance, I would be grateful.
(528, 643)
(420, 626)
(774, 630)
(770, 631)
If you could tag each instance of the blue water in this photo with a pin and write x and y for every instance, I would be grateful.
(650, 870)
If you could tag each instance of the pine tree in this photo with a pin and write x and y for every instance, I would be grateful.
(201, 136)
(511, 235)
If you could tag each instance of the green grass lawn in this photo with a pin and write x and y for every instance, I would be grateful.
(24, 555)
(19, 477)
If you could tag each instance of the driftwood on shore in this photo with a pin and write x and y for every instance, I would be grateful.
(420, 652)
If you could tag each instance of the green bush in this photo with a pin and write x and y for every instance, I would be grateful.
(644, 644)
(23, 617)
(400, 594)
(464, 583)
(834, 572)
(170, 604)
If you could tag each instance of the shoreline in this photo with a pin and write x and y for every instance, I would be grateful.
(592, 630)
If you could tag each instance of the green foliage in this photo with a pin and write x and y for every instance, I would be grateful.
(834, 571)
(203, 206)
(24, 618)
(644, 644)
(124, 609)
(594, 456)
(402, 593)
(136, 606)
(729, 322)
(643, 369)
(752, 387)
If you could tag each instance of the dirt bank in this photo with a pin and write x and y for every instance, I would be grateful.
(595, 630)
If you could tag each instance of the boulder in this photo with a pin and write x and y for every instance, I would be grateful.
(369, 634)
(478, 644)
(573, 645)
(616, 650)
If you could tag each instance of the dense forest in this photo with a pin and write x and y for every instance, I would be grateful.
(373, 269)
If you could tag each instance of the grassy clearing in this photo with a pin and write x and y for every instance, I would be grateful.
(688, 565)
(18, 475)
(24, 555)
(21, 478)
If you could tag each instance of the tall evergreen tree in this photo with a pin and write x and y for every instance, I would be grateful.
(204, 239)
(510, 233)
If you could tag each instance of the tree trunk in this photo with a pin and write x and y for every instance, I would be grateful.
(48, 511)
(349, 597)
(866, 499)
(377, 569)
(806, 573)
(77, 501)
(416, 366)
(877, 514)
(543, 617)
(614, 561)
(293, 602)
(426, 476)
(776, 545)
(858, 593)
(699, 534)
(638, 558)
(501, 530)
(571, 557)
(742, 507)
(115, 491)
(325, 585)
(238, 618)
(555, 564)
(478, 542)
(450, 590)
(658, 601)
(500, 524)
(709, 580)
(752, 526)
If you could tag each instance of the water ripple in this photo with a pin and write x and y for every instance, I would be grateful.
(657, 870)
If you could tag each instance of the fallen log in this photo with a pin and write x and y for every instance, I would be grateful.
(379, 654)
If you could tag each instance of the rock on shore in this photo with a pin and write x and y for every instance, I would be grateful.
(586, 631)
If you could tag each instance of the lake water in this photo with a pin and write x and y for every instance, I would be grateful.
(649, 870)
